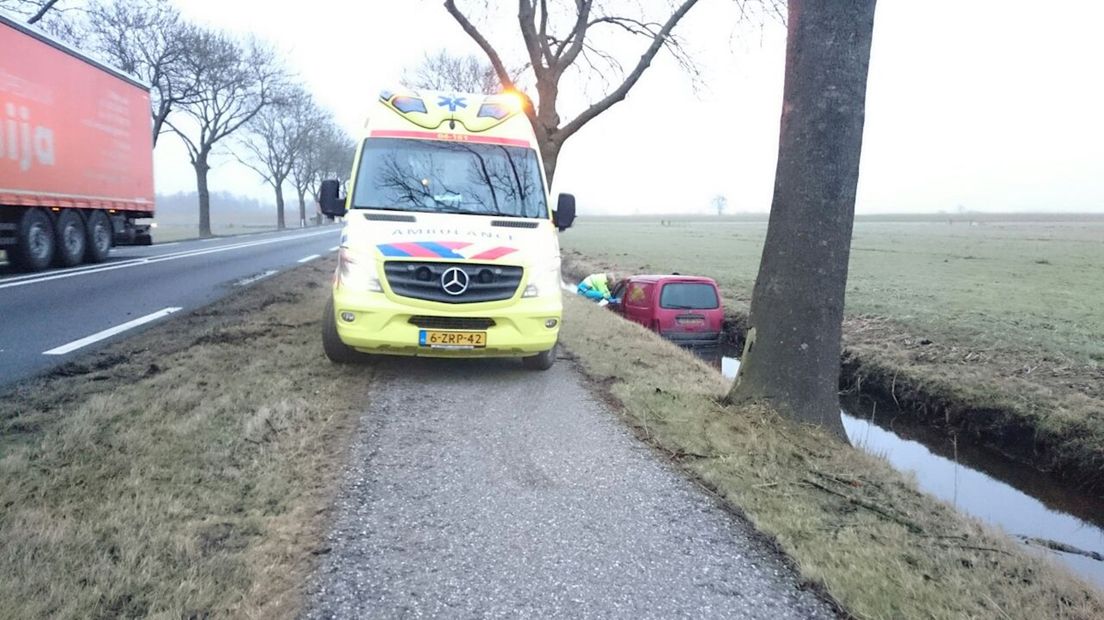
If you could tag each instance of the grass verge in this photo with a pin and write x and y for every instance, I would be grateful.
(182, 473)
(852, 524)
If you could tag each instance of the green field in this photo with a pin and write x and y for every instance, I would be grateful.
(998, 282)
(165, 233)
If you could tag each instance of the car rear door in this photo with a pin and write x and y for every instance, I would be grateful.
(686, 307)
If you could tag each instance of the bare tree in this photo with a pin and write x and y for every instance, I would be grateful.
(448, 72)
(305, 169)
(275, 137)
(720, 203)
(32, 10)
(149, 39)
(327, 153)
(335, 155)
(236, 81)
(792, 357)
(41, 12)
(551, 55)
(63, 20)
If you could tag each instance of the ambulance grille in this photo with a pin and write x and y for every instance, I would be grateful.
(514, 224)
(388, 217)
(422, 280)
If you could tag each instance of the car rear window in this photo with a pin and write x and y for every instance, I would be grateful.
(688, 296)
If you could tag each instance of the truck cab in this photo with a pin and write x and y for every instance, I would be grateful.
(686, 310)
(450, 245)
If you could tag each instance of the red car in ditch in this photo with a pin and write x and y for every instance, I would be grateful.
(686, 310)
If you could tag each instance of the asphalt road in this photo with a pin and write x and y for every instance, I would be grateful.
(47, 318)
(477, 489)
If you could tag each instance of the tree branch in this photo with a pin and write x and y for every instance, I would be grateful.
(45, 8)
(193, 151)
(496, 61)
(481, 41)
(543, 33)
(571, 47)
(619, 94)
(526, 19)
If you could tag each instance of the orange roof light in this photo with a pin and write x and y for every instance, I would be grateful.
(515, 100)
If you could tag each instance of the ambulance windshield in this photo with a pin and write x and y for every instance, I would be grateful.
(449, 177)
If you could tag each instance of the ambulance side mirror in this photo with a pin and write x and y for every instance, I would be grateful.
(329, 198)
(564, 215)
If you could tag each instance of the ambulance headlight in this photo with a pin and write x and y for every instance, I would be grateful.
(356, 273)
(543, 284)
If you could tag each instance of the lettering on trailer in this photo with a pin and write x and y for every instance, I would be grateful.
(23, 142)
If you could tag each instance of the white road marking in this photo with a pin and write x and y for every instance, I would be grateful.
(257, 278)
(35, 279)
(107, 333)
(307, 259)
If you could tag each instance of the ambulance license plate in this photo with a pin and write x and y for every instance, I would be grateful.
(452, 340)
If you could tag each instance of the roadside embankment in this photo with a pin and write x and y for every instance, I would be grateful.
(1043, 411)
(852, 524)
(185, 472)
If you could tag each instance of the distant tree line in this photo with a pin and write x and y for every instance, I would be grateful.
(214, 91)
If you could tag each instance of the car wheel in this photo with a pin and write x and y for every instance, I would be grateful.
(541, 361)
(337, 351)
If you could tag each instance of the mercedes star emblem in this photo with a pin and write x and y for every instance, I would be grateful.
(454, 281)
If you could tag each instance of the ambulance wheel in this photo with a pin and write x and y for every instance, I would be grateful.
(100, 235)
(72, 239)
(36, 242)
(541, 361)
(338, 352)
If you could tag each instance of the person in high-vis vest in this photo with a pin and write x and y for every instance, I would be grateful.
(597, 286)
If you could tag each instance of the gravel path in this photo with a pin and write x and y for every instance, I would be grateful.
(478, 489)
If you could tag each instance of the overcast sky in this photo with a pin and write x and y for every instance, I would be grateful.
(990, 105)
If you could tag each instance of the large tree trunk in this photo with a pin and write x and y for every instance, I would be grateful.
(280, 224)
(201, 169)
(302, 203)
(792, 357)
(550, 153)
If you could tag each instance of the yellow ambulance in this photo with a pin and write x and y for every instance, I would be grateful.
(449, 247)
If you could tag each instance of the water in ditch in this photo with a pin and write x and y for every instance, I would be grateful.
(978, 482)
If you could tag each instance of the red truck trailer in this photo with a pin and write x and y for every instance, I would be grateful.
(76, 153)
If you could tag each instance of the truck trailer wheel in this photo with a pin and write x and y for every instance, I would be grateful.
(541, 361)
(36, 243)
(338, 352)
(72, 239)
(100, 234)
